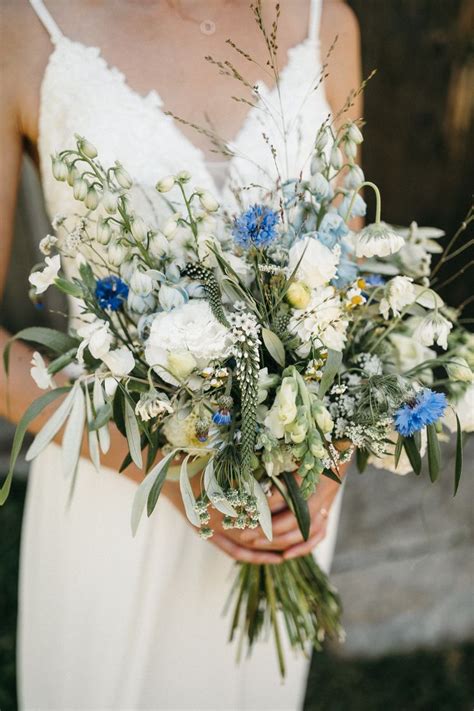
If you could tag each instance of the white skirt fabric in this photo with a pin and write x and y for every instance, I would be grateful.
(107, 621)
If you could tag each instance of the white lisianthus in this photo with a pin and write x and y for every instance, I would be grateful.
(399, 292)
(458, 369)
(322, 321)
(97, 337)
(42, 279)
(39, 372)
(387, 461)
(120, 361)
(377, 240)
(186, 335)
(283, 412)
(434, 328)
(464, 409)
(318, 265)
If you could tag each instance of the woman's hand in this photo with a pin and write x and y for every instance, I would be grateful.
(251, 546)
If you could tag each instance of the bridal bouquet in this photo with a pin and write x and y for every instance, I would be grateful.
(262, 348)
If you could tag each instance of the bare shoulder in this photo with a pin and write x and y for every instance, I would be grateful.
(25, 47)
(338, 18)
(344, 63)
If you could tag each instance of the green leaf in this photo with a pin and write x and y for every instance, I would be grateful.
(98, 401)
(72, 438)
(51, 427)
(264, 513)
(133, 435)
(215, 492)
(413, 454)
(434, 452)
(55, 341)
(332, 475)
(69, 287)
(88, 277)
(155, 490)
(143, 490)
(330, 371)
(92, 437)
(118, 407)
(274, 346)
(459, 456)
(103, 415)
(62, 361)
(362, 458)
(398, 450)
(31, 413)
(300, 505)
(187, 494)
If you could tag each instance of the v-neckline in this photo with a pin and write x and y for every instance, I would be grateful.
(158, 104)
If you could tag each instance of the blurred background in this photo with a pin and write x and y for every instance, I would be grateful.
(404, 563)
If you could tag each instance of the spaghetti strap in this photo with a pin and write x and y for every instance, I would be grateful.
(314, 19)
(47, 20)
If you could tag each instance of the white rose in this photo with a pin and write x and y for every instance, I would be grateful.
(120, 362)
(318, 265)
(42, 279)
(39, 372)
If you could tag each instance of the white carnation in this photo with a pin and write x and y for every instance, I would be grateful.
(318, 265)
(322, 320)
(186, 338)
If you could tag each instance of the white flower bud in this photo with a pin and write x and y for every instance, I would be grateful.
(60, 169)
(139, 229)
(183, 176)
(165, 184)
(104, 231)
(336, 158)
(322, 139)
(319, 185)
(318, 163)
(354, 133)
(141, 283)
(158, 246)
(140, 304)
(458, 369)
(122, 177)
(208, 201)
(85, 147)
(117, 253)
(79, 189)
(298, 295)
(350, 149)
(72, 175)
(354, 177)
(92, 199)
(171, 225)
(109, 201)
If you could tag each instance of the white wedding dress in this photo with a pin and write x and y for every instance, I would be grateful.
(107, 621)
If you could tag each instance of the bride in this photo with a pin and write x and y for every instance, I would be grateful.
(107, 621)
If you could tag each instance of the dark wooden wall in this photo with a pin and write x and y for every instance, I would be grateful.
(419, 109)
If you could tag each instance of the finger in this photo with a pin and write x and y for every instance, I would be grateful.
(276, 502)
(305, 547)
(291, 537)
(281, 523)
(245, 555)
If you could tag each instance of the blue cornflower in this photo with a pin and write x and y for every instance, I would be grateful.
(332, 229)
(256, 227)
(111, 292)
(426, 408)
(222, 417)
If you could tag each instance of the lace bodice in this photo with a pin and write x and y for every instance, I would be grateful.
(82, 94)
